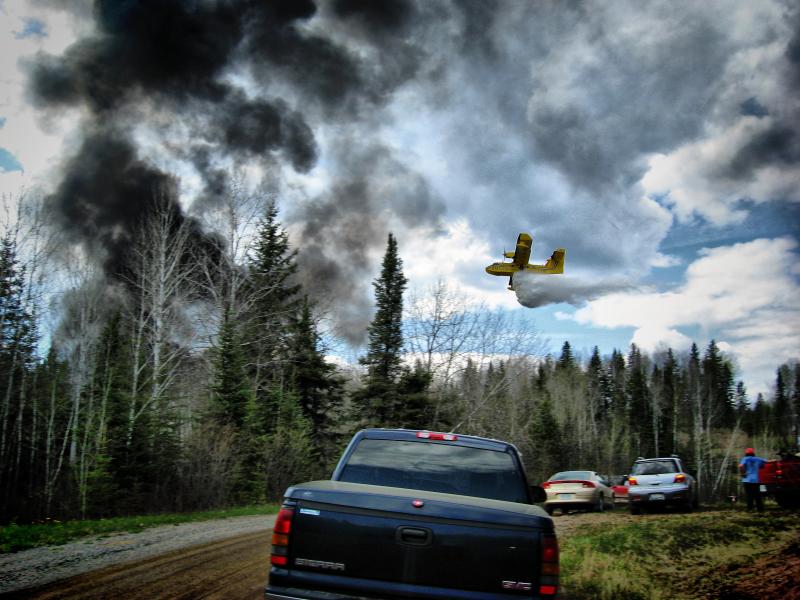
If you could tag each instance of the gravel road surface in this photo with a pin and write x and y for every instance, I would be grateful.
(39, 566)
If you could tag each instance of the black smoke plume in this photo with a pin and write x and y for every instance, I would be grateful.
(179, 66)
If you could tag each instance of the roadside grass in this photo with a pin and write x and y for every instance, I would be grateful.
(669, 555)
(51, 532)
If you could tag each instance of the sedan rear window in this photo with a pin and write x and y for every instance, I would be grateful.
(654, 467)
(567, 475)
(434, 467)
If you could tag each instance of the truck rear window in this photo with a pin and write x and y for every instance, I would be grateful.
(434, 467)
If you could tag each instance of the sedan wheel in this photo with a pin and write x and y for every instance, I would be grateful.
(600, 505)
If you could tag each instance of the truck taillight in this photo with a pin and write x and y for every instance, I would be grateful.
(680, 478)
(548, 578)
(632, 481)
(434, 435)
(280, 537)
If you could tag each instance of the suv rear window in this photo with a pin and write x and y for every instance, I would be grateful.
(654, 467)
(446, 468)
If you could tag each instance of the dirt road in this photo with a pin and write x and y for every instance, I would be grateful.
(233, 568)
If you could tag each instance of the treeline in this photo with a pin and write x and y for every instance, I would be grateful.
(197, 377)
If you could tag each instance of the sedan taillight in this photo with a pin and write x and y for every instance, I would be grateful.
(588, 484)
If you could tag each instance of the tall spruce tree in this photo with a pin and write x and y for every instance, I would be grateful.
(380, 397)
(272, 266)
(781, 408)
(231, 390)
(640, 416)
(318, 387)
(717, 387)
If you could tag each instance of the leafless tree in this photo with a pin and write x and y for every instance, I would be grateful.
(163, 281)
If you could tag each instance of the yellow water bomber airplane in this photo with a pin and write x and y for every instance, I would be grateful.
(519, 261)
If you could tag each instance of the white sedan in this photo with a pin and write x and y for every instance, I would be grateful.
(569, 490)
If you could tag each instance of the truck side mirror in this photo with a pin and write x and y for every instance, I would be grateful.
(538, 494)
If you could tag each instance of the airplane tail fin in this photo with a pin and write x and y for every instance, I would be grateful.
(555, 264)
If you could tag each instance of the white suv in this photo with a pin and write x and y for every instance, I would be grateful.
(660, 482)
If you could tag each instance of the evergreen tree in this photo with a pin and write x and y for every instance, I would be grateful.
(762, 415)
(415, 412)
(668, 403)
(289, 449)
(231, 390)
(618, 376)
(693, 408)
(717, 386)
(380, 397)
(546, 457)
(742, 408)
(318, 387)
(640, 414)
(781, 408)
(272, 267)
(17, 361)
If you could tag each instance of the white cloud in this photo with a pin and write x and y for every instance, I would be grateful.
(700, 179)
(450, 254)
(35, 142)
(745, 296)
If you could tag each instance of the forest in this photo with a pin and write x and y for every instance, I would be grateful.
(195, 372)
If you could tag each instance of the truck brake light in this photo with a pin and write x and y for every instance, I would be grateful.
(280, 537)
(548, 576)
(680, 478)
(433, 435)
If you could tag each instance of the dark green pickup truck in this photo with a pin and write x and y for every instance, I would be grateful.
(416, 514)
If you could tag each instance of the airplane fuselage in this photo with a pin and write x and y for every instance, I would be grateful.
(519, 261)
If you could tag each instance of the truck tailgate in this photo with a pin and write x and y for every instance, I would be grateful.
(488, 545)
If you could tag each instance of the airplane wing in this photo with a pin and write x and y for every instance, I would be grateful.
(523, 251)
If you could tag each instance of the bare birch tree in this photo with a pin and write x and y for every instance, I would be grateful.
(163, 280)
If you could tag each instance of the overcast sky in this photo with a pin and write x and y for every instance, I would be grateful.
(657, 142)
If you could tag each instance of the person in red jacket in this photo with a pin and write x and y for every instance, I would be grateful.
(749, 467)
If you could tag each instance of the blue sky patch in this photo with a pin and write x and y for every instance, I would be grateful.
(32, 28)
(8, 162)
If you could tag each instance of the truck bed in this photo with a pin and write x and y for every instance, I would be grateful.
(429, 544)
